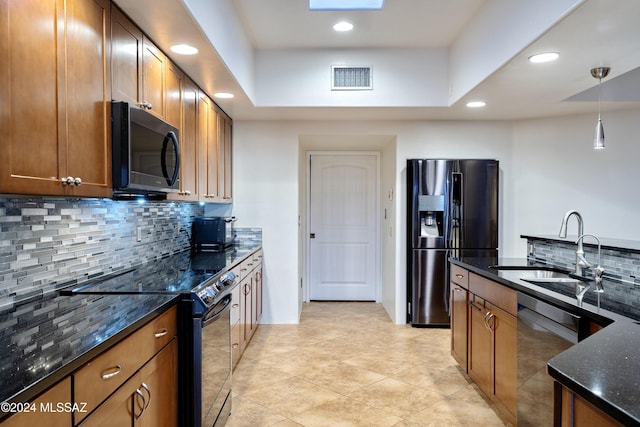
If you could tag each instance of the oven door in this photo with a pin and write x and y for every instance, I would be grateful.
(215, 364)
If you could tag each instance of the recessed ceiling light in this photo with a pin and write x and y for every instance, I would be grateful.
(223, 95)
(476, 104)
(345, 4)
(544, 57)
(343, 26)
(184, 49)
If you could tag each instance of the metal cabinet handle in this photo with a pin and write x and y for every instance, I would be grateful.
(143, 406)
(148, 390)
(457, 289)
(235, 345)
(473, 305)
(491, 322)
(486, 316)
(460, 276)
(67, 181)
(114, 371)
(161, 333)
(235, 306)
(77, 181)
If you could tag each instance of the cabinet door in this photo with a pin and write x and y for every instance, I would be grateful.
(160, 377)
(28, 97)
(202, 137)
(121, 408)
(88, 98)
(54, 97)
(260, 293)
(153, 78)
(480, 352)
(255, 294)
(59, 393)
(212, 155)
(188, 143)
(225, 185)
(245, 311)
(505, 359)
(173, 96)
(126, 55)
(459, 318)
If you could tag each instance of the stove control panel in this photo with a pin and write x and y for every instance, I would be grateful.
(209, 292)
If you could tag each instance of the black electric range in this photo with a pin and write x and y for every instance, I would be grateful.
(205, 285)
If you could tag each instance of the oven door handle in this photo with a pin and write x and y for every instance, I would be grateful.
(214, 314)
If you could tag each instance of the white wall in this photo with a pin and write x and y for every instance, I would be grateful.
(547, 166)
(556, 169)
(267, 180)
(401, 77)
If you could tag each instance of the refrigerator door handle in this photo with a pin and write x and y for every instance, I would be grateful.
(447, 285)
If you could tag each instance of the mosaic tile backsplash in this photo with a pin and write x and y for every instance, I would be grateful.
(622, 267)
(49, 243)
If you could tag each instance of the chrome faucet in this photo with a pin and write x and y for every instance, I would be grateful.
(598, 271)
(581, 262)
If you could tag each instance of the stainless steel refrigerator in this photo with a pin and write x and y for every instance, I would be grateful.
(452, 211)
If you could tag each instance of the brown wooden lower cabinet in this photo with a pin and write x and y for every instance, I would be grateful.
(43, 407)
(459, 298)
(573, 411)
(484, 337)
(148, 398)
(248, 296)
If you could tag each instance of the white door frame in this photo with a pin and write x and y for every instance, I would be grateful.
(307, 243)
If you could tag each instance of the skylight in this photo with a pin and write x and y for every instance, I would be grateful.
(345, 4)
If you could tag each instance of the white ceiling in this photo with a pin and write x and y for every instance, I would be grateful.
(597, 32)
(286, 24)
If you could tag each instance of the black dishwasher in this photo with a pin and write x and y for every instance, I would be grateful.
(543, 332)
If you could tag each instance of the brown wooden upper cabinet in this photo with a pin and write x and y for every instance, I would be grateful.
(139, 68)
(225, 164)
(55, 93)
(188, 139)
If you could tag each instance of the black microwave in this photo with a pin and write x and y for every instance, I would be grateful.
(146, 153)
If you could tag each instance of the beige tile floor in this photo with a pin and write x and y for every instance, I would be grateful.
(347, 364)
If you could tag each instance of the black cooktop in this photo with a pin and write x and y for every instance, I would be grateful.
(177, 274)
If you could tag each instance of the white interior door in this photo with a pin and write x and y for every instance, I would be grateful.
(343, 209)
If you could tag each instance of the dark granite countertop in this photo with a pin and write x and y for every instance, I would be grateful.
(603, 368)
(44, 340)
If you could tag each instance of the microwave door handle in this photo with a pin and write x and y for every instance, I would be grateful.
(163, 157)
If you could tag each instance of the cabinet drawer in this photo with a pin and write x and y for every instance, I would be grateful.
(99, 378)
(460, 276)
(257, 257)
(499, 295)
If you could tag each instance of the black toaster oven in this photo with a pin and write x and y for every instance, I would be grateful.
(215, 234)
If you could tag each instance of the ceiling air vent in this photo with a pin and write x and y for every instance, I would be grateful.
(351, 78)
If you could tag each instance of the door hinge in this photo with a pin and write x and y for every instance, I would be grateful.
(312, 235)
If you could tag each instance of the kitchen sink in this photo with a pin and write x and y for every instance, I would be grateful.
(541, 276)
(536, 274)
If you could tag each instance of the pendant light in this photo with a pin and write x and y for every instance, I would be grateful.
(599, 73)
